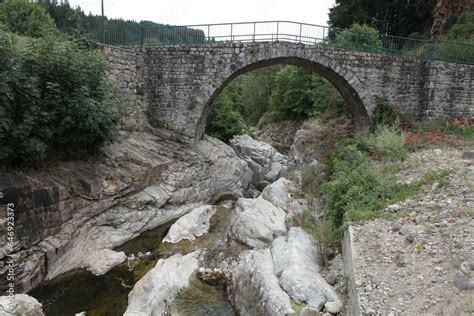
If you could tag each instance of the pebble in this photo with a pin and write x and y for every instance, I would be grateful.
(331, 278)
(403, 231)
(333, 307)
(411, 237)
(396, 227)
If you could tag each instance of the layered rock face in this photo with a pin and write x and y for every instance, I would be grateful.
(71, 214)
(264, 160)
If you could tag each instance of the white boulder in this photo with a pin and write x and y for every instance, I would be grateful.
(20, 304)
(257, 222)
(294, 258)
(192, 225)
(255, 289)
(159, 287)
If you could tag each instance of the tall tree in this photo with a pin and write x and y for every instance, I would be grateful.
(393, 17)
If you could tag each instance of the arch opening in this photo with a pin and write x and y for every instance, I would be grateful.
(357, 110)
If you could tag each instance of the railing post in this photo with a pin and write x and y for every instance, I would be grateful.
(254, 25)
(142, 36)
(301, 26)
(278, 27)
(208, 32)
(432, 50)
(231, 35)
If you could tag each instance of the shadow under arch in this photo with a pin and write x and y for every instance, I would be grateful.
(360, 116)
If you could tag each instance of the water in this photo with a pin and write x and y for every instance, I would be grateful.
(79, 290)
(202, 299)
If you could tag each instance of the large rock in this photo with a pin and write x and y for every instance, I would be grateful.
(25, 305)
(192, 225)
(257, 222)
(129, 187)
(294, 258)
(91, 246)
(280, 193)
(255, 289)
(264, 160)
(159, 287)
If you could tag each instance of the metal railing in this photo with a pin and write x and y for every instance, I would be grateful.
(271, 31)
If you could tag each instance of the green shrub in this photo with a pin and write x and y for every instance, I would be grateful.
(358, 37)
(385, 112)
(54, 101)
(25, 18)
(353, 186)
(323, 232)
(388, 142)
(154, 119)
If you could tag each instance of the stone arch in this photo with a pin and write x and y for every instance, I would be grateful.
(337, 77)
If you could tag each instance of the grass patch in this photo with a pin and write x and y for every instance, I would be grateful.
(402, 192)
(388, 143)
(323, 232)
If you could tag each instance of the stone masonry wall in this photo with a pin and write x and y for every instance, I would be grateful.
(449, 90)
(125, 69)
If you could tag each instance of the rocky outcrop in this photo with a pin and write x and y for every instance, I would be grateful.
(294, 259)
(24, 305)
(280, 193)
(255, 289)
(257, 222)
(107, 231)
(280, 134)
(146, 179)
(152, 294)
(192, 225)
(264, 160)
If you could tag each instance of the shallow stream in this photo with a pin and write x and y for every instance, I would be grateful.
(80, 290)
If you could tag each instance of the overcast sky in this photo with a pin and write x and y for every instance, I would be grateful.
(187, 12)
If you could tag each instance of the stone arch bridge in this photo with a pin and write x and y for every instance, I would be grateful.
(179, 82)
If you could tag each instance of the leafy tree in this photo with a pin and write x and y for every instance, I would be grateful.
(225, 119)
(25, 18)
(299, 93)
(74, 21)
(257, 87)
(394, 17)
(290, 98)
(359, 37)
(53, 100)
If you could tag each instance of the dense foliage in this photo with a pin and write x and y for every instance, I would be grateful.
(358, 37)
(272, 94)
(226, 117)
(24, 18)
(74, 21)
(395, 17)
(463, 29)
(53, 99)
